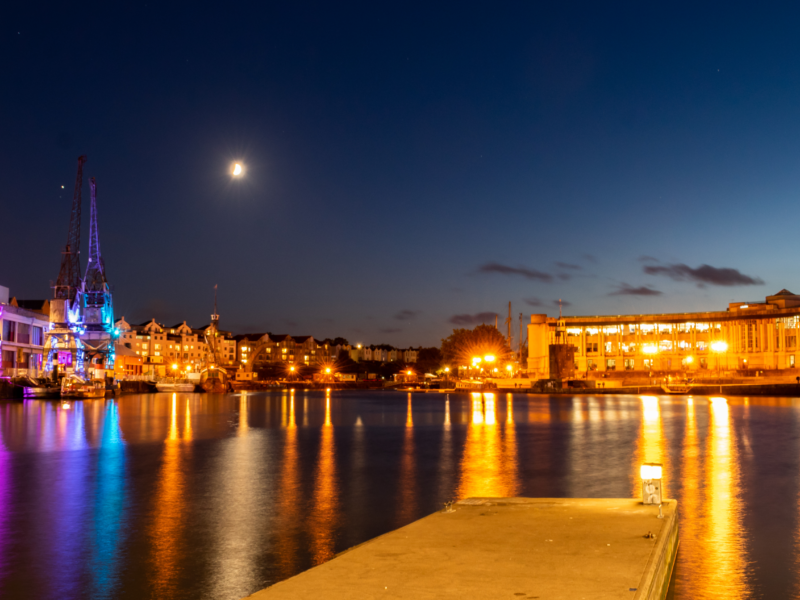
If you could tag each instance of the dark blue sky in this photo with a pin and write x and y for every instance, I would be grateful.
(408, 162)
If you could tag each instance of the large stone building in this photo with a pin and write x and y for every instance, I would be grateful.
(747, 337)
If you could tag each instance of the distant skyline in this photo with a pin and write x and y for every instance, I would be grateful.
(407, 169)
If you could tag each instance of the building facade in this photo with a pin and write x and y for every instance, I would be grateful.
(161, 347)
(261, 349)
(22, 332)
(747, 336)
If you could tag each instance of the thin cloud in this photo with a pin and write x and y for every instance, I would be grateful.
(627, 290)
(646, 258)
(533, 302)
(476, 319)
(406, 314)
(391, 330)
(704, 274)
(525, 272)
(564, 303)
(590, 258)
(569, 266)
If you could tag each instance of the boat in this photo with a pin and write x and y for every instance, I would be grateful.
(177, 385)
(676, 389)
(39, 389)
(77, 388)
(469, 385)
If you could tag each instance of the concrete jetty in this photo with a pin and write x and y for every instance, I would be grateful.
(516, 548)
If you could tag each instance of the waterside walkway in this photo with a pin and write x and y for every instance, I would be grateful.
(507, 548)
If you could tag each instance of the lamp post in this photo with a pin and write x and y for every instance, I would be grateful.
(651, 483)
(650, 350)
(719, 347)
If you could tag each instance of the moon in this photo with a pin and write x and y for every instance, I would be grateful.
(237, 169)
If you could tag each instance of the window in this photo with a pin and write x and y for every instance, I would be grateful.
(703, 363)
(609, 347)
(9, 331)
(591, 346)
(791, 361)
(791, 341)
(648, 363)
(37, 338)
(611, 364)
(629, 364)
(591, 365)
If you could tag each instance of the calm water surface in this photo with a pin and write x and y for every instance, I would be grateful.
(205, 496)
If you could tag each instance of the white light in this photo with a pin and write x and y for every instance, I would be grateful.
(237, 169)
(650, 471)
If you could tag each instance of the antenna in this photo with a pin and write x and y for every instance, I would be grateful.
(508, 326)
(559, 308)
(215, 316)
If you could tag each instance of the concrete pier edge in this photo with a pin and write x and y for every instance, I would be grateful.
(496, 547)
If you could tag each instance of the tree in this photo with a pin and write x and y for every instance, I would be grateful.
(464, 344)
(429, 360)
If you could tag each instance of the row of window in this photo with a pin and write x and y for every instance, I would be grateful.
(22, 333)
(630, 364)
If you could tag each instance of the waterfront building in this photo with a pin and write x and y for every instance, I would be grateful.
(127, 364)
(261, 349)
(23, 324)
(383, 354)
(160, 346)
(748, 337)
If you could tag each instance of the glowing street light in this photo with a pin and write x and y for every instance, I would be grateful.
(719, 347)
(489, 358)
(650, 474)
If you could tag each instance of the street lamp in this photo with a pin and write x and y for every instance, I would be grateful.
(719, 347)
(651, 483)
(650, 350)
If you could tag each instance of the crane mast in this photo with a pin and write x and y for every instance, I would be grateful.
(69, 276)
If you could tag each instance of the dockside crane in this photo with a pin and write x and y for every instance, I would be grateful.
(69, 276)
(61, 339)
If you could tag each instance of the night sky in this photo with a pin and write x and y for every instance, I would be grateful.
(411, 167)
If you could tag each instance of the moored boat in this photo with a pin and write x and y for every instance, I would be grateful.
(40, 389)
(178, 385)
(676, 389)
(78, 388)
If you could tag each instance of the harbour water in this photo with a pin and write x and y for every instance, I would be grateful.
(218, 496)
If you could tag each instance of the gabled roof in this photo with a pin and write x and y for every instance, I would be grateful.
(250, 336)
(785, 292)
(279, 338)
(302, 338)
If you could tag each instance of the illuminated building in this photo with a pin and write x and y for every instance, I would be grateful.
(160, 346)
(747, 336)
(23, 324)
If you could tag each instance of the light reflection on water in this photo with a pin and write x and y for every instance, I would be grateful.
(217, 496)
